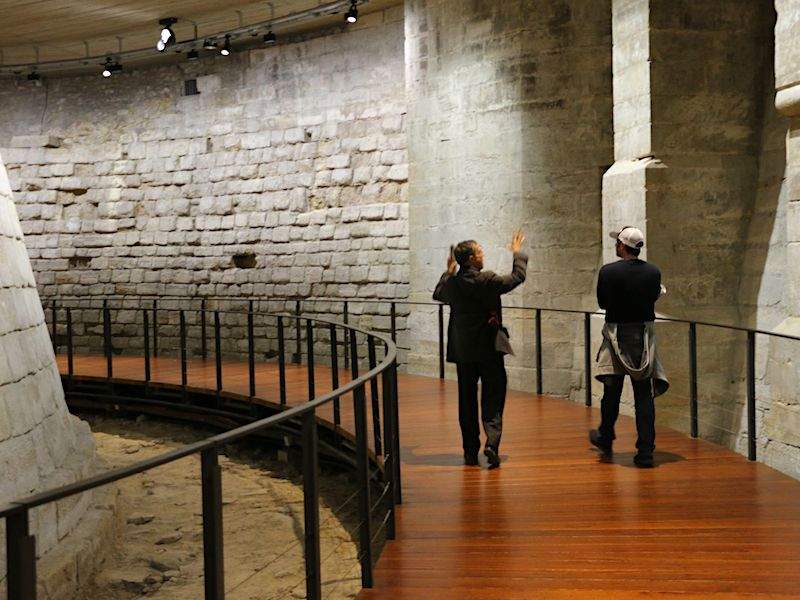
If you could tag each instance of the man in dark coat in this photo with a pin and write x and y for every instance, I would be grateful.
(477, 341)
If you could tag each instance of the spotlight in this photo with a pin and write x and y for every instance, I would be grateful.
(167, 36)
(270, 38)
(34, 76)
(110, 67)
(226, 48)
(209, 45)
(352, 15)
(192, 54)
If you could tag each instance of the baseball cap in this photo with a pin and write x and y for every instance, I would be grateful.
(630, 236)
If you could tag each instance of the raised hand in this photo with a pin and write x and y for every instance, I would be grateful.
(452, 265)
(516, 241)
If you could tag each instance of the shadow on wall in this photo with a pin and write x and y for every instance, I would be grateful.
(759, 259)
(509, 124)
(565, 86)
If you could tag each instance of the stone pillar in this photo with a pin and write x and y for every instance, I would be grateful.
(687, 121)
(509, 126)
(42, 446)
(778, 396)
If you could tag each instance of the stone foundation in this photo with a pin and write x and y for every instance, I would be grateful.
(42, 446)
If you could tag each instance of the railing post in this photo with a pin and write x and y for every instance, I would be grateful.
(693, 379)
(281, 361)
(587, 356)
(184, 369)
(373, 386)
(155, 328)
(362, 471)
(146, 325)
(298, 356)
(751, 395)
(55, 327)
(389, 453)
(393, 317)
(203, 341)
(346, 334)
(70, 348)
(20, 557)
(251, 350)
(337, 413)
(218, 354)
(441, 341)
(398, 482)
(311, 507)
(107, 342)
(213, 568)
(310, 359)
(538, 347)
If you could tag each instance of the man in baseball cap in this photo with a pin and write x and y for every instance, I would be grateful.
(629, 236)
(628, 290)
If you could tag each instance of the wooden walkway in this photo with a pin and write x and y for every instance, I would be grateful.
(553, 522)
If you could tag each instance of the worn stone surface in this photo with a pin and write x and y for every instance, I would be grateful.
(42, 446)
(285, 176)
(262, 522)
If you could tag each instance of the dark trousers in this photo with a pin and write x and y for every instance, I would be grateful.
(631, 344)
(492, 375)
(645, 411)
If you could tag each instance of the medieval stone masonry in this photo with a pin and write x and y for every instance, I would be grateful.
(343, 163)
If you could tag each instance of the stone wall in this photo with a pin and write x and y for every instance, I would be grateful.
(779, 407)
(510, 126)
(284, 177)
(42, 446)
(701, 164)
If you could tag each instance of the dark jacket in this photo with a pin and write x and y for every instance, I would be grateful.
(628, 290)
(474, 299)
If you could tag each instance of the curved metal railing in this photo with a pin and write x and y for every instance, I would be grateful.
(395, 306)
(21, 545)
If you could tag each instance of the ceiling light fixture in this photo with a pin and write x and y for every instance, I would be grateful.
(270, 38)
(352, 15)
(226, 48)
(192, 54)
(209, 44)
(167, 36)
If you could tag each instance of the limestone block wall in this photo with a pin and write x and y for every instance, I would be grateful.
(779, 408)
(703, 163)
(509, 126)
(285, 176)
(41, 445)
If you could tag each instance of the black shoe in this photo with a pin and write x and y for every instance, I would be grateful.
(494, 458)
(606, 448)
(643, 461)
(471, 459)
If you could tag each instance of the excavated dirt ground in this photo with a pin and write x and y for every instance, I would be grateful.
(159, 553)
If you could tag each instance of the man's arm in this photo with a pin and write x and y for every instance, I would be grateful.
(440, 292)
(502, 284)
(602, 290)
(657, 288)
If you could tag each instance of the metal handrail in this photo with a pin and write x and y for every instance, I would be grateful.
(221, 439)
(538, 311)
(21, 546)
(396, 301)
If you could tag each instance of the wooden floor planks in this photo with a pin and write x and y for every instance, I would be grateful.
(553, 522)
